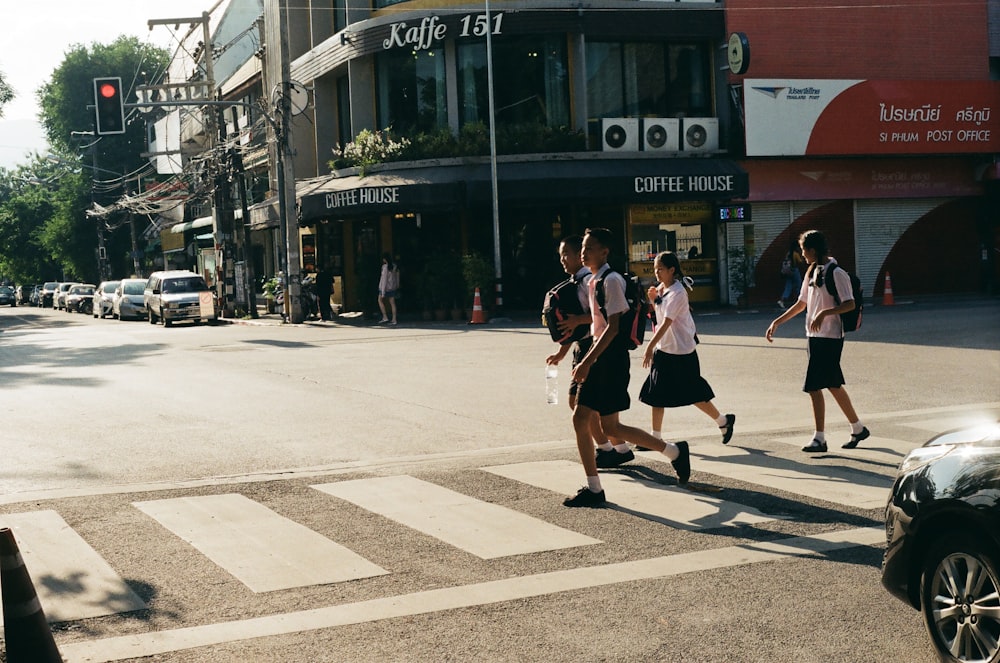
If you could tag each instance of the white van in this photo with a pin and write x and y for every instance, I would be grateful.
(178, 295)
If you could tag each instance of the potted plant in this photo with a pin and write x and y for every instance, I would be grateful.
(478, 272)
(443, 282)
(740, 273)
(270, 292)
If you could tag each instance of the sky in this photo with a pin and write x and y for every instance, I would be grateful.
(36, 36)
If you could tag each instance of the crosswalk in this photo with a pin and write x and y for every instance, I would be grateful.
(267, 551)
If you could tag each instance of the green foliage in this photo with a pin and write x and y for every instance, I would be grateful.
(441, 282)
(64, 98)
(6, 93)
(741, 269)
(473, 140)
(478, 272)
(370, 148)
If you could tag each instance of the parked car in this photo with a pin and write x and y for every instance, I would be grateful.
(36, 291)
(45, 297)
(59, 297)
(104, 298)
(943, 533)
(7, 296)
(177, 295)
(128, 300)
(23, 293)
(80, 297)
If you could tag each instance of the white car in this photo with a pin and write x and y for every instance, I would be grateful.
(178, 295)
(104, 297)
(128, 301)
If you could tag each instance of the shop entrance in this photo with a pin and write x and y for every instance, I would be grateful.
(686, 229)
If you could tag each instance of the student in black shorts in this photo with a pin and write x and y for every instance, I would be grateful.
(826, 338)
(603, 377)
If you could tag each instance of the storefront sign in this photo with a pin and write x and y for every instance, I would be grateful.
(378, 195)
(828, 117)
(692, 212)
(685, 184)
(421, 36)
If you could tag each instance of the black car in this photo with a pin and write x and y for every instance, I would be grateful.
(943, 531)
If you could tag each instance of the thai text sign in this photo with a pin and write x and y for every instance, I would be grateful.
(825, 117)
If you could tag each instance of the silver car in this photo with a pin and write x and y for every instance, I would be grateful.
(59, 296)
(128, 301)
(178, 295)
(104, 297)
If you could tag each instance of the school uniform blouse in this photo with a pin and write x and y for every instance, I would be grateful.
(583, 276)
(679, 337)
(614, 299)
(817, 298)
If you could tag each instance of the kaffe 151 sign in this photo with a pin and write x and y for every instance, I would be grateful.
(824, 117)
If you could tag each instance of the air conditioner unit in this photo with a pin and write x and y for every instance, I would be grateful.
(700, 134)
(620, 134)
(661, 134)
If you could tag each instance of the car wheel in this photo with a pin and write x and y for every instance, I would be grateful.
(960, 600)
(167, 323)
(152, 318)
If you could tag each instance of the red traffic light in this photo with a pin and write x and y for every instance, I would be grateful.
(107, 90)
(109, 106)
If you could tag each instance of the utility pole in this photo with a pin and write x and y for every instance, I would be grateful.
(277, 75)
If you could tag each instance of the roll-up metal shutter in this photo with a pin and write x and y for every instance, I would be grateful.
(878, 225)
(769, 220)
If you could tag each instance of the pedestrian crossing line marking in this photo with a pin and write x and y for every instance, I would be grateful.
(466, 596)
(665, 503)
(71, 579)
(486, 530)
(832, 483)
(260, 548)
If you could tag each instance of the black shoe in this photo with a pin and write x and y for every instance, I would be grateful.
(682, 465)
(727, 430)
(613, 458)
(585, 497)
(815, 447)
(856, 437)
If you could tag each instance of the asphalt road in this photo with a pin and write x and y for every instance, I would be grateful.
(107, 422)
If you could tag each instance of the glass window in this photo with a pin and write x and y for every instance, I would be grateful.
(344, 110)
(648, 79)
(411, 90)
(530, 81)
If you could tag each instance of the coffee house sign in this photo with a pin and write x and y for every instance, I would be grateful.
(420, 36)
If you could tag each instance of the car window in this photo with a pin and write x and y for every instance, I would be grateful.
(134, 288)
(110, 287)
(190, 284)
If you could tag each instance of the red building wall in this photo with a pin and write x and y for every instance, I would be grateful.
(864, 39)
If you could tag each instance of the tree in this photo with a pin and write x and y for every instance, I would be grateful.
(6, 93)
(26, 205)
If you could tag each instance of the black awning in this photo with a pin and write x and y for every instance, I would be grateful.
(460, 183)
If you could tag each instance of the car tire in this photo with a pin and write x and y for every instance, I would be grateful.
(152, 317)
(958, 596)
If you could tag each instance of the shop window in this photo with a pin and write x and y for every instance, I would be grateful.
(411, 90)
(686, 229)
(531, 83)
(344, 110)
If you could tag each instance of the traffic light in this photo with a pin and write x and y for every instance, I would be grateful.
(109, 107)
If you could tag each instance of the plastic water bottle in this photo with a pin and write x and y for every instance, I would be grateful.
(551, 384)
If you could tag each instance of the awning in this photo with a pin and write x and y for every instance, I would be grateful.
(203, 222)
(459, 183)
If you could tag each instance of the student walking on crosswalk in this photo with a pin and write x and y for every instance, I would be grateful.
(826, 337)
(602, 377)
(671, 355)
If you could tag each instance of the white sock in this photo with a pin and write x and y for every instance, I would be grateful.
(819, 435)
(722, 421)
(623, 448)
(605, 446)
(857, 427)
(671, 451)
(657, 434)
(594, 483)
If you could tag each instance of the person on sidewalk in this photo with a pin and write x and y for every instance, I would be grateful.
(671, 356)
(572, 263)
(602, 378)
(388, 284)
(791, 272)
(324, 290)
(825, 333)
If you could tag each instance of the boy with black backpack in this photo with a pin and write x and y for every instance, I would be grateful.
(825, 305)
(602, 377)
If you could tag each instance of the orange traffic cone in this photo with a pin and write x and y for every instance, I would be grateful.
(478, 317)
(887, 299)
(29, 639)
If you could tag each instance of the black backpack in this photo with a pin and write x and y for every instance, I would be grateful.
(852, 319)
(632, 325)
(559, 303)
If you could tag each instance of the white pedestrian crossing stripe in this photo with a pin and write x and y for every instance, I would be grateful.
(807, 477)
(71, 579)
(485, 530)
(675, 506)
(262, 549)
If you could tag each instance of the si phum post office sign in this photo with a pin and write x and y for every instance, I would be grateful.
(852, 117)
